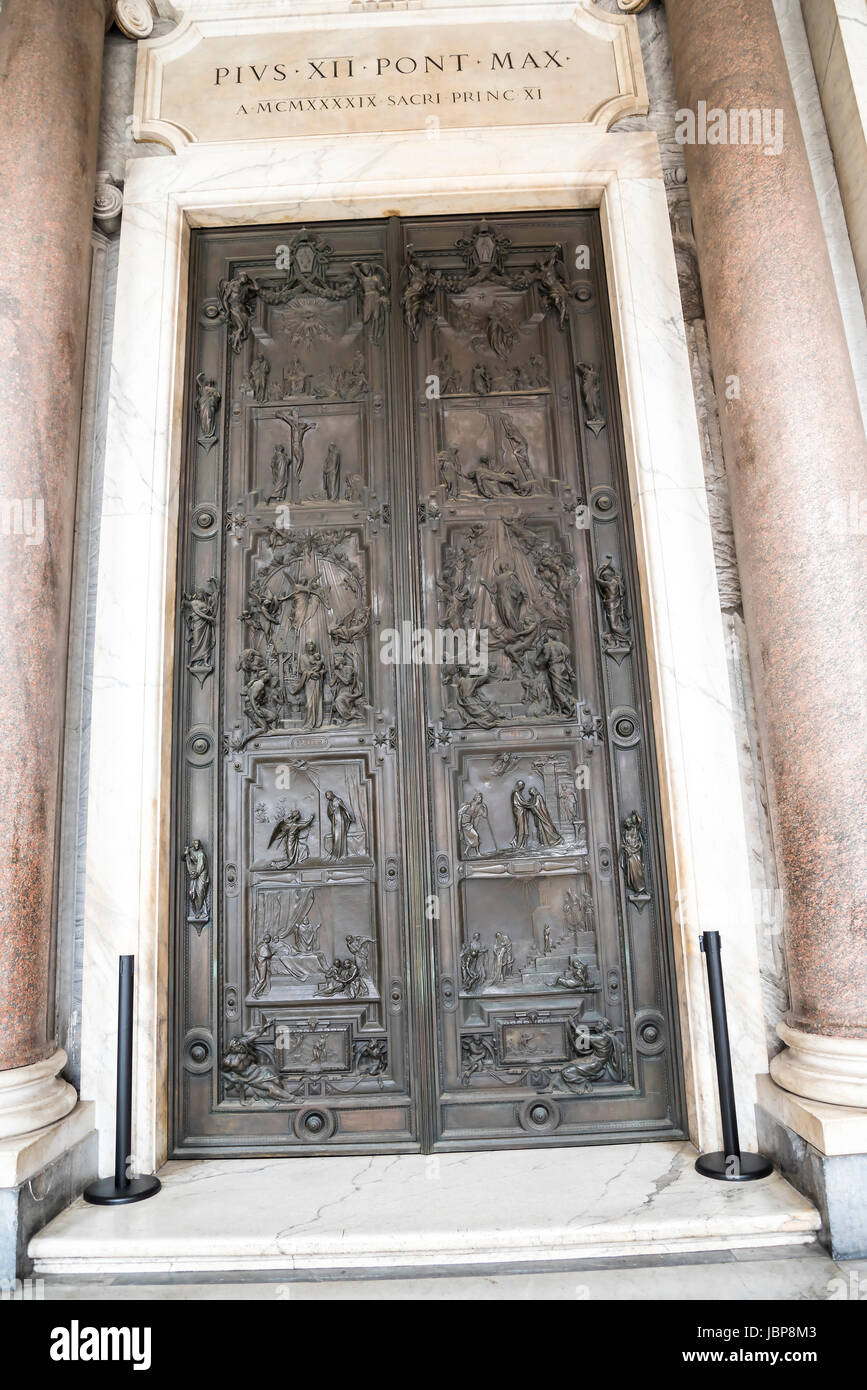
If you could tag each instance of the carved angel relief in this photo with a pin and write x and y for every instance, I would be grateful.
(485, 255)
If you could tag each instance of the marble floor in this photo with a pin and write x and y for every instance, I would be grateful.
(362, 1216)
(791, 1273)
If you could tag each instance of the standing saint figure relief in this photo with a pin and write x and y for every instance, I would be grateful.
(280, 473)
(331, 474)
(504, 959)
(450, 472)
(555, 659)
(311, 680)
(200, 612)
(340, 819)
(632, 846)
(260, 370)
(375, 283)
(591, 395)
(198, 882)
(208, 400)
(617, 641)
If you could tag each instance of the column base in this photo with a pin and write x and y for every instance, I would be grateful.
(40, 1174)
(833, 1070)
(821, 1149)
(35, 1096)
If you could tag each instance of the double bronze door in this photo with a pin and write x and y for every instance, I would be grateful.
(419, 898)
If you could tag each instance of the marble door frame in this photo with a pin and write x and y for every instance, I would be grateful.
(310, 180)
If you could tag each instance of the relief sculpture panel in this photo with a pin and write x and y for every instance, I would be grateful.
(542, 866)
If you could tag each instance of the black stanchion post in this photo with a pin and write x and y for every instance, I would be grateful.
(122, 1188)
(730, 1165)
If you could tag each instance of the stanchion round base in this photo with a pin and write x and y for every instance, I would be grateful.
(726, 1168)
(106, 1193)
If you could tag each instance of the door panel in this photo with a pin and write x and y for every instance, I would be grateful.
(418, 903)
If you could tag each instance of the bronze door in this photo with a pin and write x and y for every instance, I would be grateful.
(419, 897)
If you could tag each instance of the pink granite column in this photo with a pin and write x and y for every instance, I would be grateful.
(796, 456)
(50, 69)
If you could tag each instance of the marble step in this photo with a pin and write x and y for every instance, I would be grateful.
(415, 1211)
(790, 1273)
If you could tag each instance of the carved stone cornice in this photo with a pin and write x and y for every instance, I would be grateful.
(135, 18)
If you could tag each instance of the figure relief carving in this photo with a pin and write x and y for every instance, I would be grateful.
(508, 473)
(287, 464)
(307, 613)
(375, 284)
(532, 818)
(247, 1072)
(486, 256)
(198, 884)
(599, 1055)
(540, 813)
(633, 842)
(288, 955)
(478, 1054)
(340, 818)
(471, 815)
(237, 303)
(579, 1052)
(474, 968)
(505, 578)
(311, 279)
(591, 396)
(200, 615)
(290, 833)
(256, 381)
(208, 398)
(617, 638)
(529, 377)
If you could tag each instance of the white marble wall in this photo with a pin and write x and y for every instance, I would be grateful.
(76, 741)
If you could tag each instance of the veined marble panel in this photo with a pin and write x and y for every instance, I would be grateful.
(416, 1211)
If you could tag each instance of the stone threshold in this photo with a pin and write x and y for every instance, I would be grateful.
(414, 1212)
